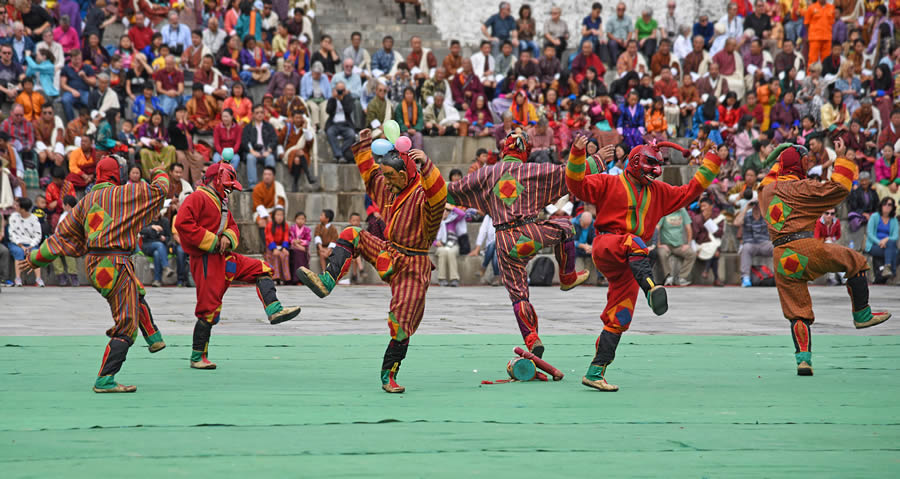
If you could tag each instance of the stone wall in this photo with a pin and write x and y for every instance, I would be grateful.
(461, 19)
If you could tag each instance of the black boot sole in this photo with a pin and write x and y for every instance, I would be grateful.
(659, 300)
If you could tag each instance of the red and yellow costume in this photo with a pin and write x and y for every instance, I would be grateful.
(105, 226)
(793, 204)
(413, 217)
(632, 204)
(203, 223)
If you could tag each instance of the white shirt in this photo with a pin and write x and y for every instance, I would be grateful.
(478, 61)
(25, 231)
(734, 28)
(486, 233)
(682, 47)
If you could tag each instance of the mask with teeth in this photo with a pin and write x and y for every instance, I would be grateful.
(645, 161)
(222, 178)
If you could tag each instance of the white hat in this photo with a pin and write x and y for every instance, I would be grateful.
(96, 114)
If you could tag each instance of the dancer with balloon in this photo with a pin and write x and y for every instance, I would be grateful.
(411, 194)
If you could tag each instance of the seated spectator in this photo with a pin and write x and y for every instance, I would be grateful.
(713, 84)
(299, 237)
(481, 160)
(584, 60)
(193, 55)
(674, 242)
(556, 32)
(213, 37)
(656, 125)
(106, 136)
(731, 67)
(583, 239)
(755, 242)
(226, 134)
(401, 80)
(502, 27)
(66, 36)
(325, 236)
(169, 86)
(326, 55)
(466, 86)
(386, 59)
(267, 195)
(104, 99)
(21, 134)
(631, 121)
(885, 166)
(420, 57)
(239, 104)
(94, 53)
(379, 109)
(258, 143)
(705, 29)
(447, 242)
(487, 239)
(708, 230)
(255, 69)
(277, 246)
(523, 111)
(156, 238)
(297, 139)
(315, 89)
(339, 127)
(181, 135)
(828, 230)
(542, 145)
(42, 67)
(648, 32)
(351, 80)
(58, 189)
(441, 119)
(64, 266)
(202, 110)
(156, 151)
(759, 21)
(881, 238)
(76, 80)
(289, 102)
(890, 133)
(25, 234)
(697, 61)
(708, 115)
(82, 162)
(484, 66)
(410, 117)
(355, 52)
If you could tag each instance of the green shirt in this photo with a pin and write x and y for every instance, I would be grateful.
(644, 30)
(671, 228)
(752, 162)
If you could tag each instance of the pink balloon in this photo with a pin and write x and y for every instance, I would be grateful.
(403, 144)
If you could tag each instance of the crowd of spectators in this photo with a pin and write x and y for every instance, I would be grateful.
(252, 83)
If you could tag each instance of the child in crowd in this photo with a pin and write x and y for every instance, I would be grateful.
(357, 268)
(277, 245)
(24, 235)
(127, 138)
(325, 237)
(299, 237)
(65, 266)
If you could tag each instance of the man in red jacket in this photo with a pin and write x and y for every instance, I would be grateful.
(209, 235)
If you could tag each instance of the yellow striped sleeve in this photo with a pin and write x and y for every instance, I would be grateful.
(433, 184)
(210, 240)
(575, 167)
(232, 236)
(845, 173)
(708, 170)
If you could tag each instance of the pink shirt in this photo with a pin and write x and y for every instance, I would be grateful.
(68, 39)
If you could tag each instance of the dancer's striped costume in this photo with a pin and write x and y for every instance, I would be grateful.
(413, 217)
(627, 214)
(513, 193)
(105, 226)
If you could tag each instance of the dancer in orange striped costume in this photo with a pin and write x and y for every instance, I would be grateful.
(632, 204)
(793, 204)
(209, 235)
(411, 194)
(105, 226)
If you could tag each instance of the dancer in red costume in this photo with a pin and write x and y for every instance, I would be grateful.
(633, 203)
(209, 235)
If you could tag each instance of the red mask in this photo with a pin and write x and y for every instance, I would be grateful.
(108, 171)
(791, 160)
(644, 164)
(222, 178)
(517, 145)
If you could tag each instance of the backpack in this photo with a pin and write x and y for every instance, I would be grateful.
(761, 276)
(542, 272)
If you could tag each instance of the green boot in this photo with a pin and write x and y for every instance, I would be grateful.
(594, 378)
(804, 363)
(108, 384)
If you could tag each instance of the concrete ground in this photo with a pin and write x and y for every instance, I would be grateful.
(31, 311)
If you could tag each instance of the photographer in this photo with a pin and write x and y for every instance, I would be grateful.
(339, 128)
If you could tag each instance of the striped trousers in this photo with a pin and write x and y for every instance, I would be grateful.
(516, 247)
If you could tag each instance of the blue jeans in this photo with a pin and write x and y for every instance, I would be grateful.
(181, 263)
(69, 102)
(167, 104)
(17, 253)
(793, 30)
(160, 254)
(251, 166)
(490, 255)
(246, 77)
(889, 253)
(347, 137)
(535, 51)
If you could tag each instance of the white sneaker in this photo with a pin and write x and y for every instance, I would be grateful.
(684, 282)
(344, 281)
(39, 282)
(669, 281)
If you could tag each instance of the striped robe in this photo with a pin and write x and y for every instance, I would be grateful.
(511, 191)
(413, 219)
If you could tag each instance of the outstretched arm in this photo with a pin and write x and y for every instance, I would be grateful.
(676, 197)
(435, 191)
(368, 169)
(587, 188)
(68, 240)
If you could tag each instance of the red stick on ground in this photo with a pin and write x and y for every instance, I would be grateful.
(544, 365)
